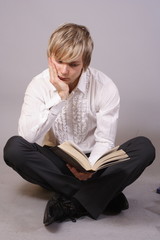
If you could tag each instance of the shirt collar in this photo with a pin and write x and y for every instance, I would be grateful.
(82, 84)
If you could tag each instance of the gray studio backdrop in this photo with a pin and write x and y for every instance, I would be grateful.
(127, 48)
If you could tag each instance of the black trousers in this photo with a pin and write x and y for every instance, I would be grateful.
(39, 165)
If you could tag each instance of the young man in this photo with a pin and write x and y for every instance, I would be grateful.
(71, 101)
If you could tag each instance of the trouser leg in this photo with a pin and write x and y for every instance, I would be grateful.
(39, 165)
(95, 194)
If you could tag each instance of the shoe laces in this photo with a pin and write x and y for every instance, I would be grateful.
(65, 209)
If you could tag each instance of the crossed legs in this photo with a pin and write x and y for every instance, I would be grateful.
(39, 165)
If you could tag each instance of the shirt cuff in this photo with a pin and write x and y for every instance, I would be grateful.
(56, 104)
(99, 150)
(54, 101)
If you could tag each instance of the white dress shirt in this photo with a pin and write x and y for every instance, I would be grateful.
(88, 117)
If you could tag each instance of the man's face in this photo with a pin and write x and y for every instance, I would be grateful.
(69, 72)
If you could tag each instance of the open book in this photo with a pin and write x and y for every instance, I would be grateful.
(71, 153)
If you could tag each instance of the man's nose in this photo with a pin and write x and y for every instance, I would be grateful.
(64, 69)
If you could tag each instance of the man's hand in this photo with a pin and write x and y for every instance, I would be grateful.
(62, 87)
(80, 175)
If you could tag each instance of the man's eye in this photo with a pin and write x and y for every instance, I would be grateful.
(73, 64)
(59, 61)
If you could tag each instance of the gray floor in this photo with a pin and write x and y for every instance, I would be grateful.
(22, 207)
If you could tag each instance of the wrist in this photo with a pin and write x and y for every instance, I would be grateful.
(63, 95)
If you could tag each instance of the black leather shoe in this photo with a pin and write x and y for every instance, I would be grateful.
(158, 190)
(59, 209)
(118, 204)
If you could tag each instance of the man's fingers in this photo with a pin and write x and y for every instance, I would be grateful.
(80, 175)
(52, 71)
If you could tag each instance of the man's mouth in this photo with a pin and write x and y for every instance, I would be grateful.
(63, 79)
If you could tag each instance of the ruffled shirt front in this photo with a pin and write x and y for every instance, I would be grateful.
(87, 118)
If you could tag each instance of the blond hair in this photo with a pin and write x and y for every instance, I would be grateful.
(69, 42)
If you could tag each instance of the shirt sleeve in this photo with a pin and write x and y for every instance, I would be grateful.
(39, 110)
(107, 118)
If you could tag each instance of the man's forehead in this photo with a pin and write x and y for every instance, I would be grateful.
(76, 60)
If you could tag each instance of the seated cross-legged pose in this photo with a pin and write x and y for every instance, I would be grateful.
(71, 101)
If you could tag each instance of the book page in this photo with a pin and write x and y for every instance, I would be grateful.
(110, 151)
(74, 146)
(112, 156)
(107, 164)
(76, 154)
